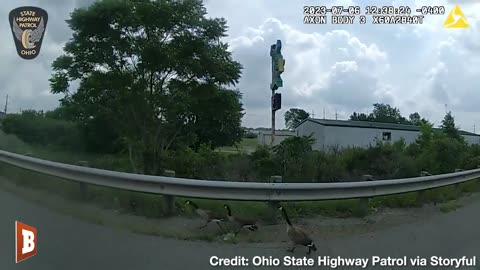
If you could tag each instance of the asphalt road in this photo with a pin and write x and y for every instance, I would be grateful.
(69, 244)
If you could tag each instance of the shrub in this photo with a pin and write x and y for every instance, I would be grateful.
(250, 135)
(263, 164)
(34, 128)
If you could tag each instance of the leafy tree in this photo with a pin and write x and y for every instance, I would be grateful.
(35, 128)
(426, 134)
(294, 117)
(156, 70)
(386, 114)
(263, 162)
(99, 133)
(291, 152)
(359, 117)
(415, 119)
(426, 122)
(443, 155)
(449, 128)
(383, 113)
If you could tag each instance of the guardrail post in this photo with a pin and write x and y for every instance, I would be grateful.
(421, 194)
(478, 180)
(169, 200)
(83, 186)
(458, 188)
(366, 201)
(274, 204)
(425, 173)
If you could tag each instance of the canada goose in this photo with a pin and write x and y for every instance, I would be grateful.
(242, 222)
(297, 235)
(207, 215)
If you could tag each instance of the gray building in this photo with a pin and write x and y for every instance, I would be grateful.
(339, 133)
(265, 137)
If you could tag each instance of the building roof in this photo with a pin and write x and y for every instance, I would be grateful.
(375, 125)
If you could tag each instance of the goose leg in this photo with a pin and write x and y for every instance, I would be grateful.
(206, 223)
(291, 249)
(311, 247)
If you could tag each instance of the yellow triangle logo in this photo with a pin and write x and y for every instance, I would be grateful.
(456, 19)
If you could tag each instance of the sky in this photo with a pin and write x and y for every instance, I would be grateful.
(336, 69)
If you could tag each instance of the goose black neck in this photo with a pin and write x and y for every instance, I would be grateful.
(286, 216)
(229, 211)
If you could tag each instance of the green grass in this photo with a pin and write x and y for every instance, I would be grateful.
(450, 206)
(246, 142)
(245, 145)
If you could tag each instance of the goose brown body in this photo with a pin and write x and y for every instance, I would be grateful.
(297, 235)
(206, 215)
(250, 224)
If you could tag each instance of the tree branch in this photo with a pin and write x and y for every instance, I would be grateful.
(173, 138)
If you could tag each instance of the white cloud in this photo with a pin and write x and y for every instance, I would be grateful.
(341, 68)
(335, 68)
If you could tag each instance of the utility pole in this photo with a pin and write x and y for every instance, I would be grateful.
(6, 105)
(273, 119)
(278, 64)
(336, 114)
(313, 114)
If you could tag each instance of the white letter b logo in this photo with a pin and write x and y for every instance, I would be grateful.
(28, 241)
(25, 241)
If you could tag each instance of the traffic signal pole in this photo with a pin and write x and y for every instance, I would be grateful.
(277, 68)
(273, 118)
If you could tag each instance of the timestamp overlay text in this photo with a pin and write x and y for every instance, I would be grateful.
(369, 14)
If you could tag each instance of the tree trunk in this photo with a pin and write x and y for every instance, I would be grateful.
(130, 157)
(148, 162)
(152, 162)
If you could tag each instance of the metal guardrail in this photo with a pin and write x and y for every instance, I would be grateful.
(242, 191)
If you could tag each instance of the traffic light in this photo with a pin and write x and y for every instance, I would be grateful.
(276, 82)
(278, 65)
(277, 102)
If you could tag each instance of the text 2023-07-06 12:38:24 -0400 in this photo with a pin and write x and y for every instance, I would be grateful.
(372, 14)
